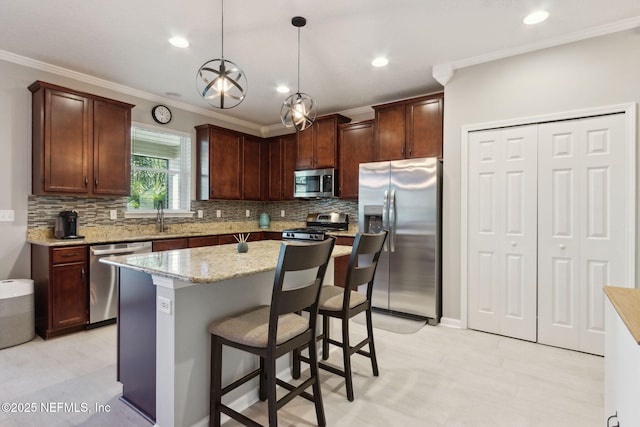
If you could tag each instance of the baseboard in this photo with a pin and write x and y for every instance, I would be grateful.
(451, 323)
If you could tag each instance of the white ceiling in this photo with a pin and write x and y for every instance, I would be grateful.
(125, 42)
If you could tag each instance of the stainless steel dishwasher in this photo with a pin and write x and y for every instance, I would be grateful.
(103, 280)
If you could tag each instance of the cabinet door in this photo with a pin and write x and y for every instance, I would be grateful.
(341, 263)
(200, 241)
(289, 151)
(424, 128)
(226, 164)
(390, 132)
(170, 244)
(275, 170)
(67, 148)
(325, 143)
(355, 143)
(251, 168)
(111, 149)
(305, 149)
(69, 295)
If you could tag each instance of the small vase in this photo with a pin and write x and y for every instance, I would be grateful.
(265, 220)
(243, 247)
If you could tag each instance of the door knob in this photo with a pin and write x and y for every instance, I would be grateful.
(562, 246)
(513, 243)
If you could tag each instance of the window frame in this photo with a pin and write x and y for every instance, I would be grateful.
(185, 174)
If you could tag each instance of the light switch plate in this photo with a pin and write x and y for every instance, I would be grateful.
(200, 213)
(113, 214)
(218, 213)
(164, 305)
(8, 216)
(282, 213)
(248, 213)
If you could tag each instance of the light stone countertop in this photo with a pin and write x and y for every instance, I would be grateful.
(211, 263)
(112, 234)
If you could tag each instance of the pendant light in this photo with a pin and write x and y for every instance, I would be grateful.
(221, 83)
(298, 110)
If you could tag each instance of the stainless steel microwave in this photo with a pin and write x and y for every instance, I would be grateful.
(315, 183)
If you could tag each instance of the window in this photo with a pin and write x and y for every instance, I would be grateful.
(160, 165)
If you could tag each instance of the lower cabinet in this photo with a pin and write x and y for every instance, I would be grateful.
(170, 244)
(341, 264)
(200, 241)
(60, 278)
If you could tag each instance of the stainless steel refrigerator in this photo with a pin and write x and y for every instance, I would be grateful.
(404, 197)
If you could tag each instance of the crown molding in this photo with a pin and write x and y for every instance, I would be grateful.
(65, 72)
(614, 27)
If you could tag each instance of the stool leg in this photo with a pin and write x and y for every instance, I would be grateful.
(317, 393)
(372, 347)
(325, 337)
(216, 382)
(346, 356)
(262, 388)
(295, 369)
(272, 401)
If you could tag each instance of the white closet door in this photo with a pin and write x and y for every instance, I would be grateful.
(502, 232)
(581, 236)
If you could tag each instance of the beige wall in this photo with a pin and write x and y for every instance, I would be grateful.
(591, 73)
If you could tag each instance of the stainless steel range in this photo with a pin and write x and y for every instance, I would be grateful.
(318, 225)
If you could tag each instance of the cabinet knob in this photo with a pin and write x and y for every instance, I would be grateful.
(86, 181)
(96, 183)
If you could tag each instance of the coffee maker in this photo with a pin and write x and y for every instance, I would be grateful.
(67, 225)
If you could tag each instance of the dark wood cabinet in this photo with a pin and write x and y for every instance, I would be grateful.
(282, 161)
(200, 241)
(80, 143)
(272, 235)
(169, 244)
(219, 154)
(409, 129)
(231, 165)
(60, 278)
(226, 239)
(355, 146)
(341, 263)
(318, 145)
(253, 168)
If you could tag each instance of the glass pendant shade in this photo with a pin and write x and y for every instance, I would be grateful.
(298, 111)
(221, 83)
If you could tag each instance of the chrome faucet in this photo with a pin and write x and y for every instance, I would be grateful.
(160, 217)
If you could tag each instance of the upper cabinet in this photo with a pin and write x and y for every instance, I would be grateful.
(318, 145)
(282, 164)
(410, 128)
(355, 146)
(231, 165)
(81, 143)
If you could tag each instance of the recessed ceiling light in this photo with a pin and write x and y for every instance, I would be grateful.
(180, 42)
(380, 61)
(536, 17)
(283, 89)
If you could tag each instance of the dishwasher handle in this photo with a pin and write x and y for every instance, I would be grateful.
(122, 251)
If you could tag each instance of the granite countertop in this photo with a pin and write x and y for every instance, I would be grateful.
(626, 301)
(211, 263)
(112, 234)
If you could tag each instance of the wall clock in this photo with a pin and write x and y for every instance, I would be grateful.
(161, 114)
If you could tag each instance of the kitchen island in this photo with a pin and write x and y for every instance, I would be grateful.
(167, 300)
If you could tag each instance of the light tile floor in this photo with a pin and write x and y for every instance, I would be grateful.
(438, 377)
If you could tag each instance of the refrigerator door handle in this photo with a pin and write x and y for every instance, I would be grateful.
(385, 215)
(392, 220)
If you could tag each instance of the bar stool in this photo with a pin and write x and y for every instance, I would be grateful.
(345, 303)
(272, 331)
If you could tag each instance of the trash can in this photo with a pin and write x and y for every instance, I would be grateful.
(17, 319)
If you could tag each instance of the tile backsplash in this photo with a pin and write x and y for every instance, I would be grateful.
(95, 211)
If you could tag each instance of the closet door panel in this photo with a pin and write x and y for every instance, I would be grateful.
(502, 229)
(581, 222)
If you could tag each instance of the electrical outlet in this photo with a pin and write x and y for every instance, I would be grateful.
(247, 213)
(113, 214)
(7, 216)
(200, 214)
(218, 213)
(282, 213)
(164, 305)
